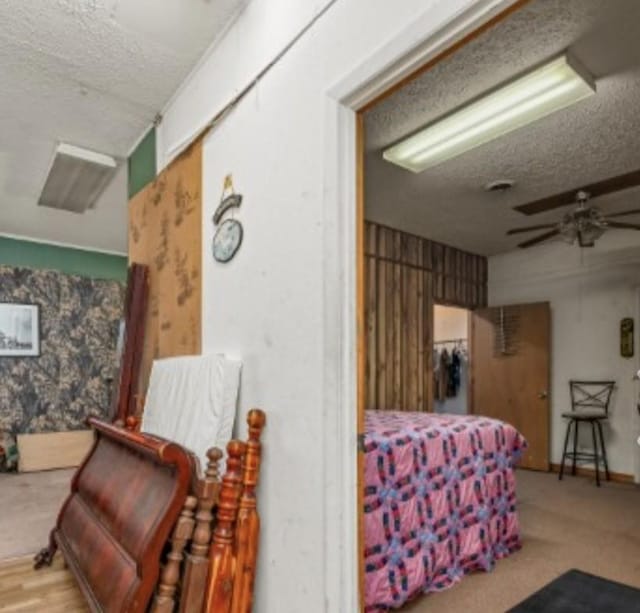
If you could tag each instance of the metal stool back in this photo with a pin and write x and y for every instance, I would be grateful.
(591, 396)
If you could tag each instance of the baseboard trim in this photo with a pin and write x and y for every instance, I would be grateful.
(591, 473)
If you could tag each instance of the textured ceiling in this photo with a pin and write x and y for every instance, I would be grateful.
(93, 73)
(593, 140)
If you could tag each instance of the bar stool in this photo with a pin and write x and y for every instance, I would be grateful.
(589, 403)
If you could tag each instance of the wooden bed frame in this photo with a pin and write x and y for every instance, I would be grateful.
(142, 530)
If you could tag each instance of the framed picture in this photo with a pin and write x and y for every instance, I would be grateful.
(19, 330)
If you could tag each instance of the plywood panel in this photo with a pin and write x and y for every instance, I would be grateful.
(53, 450)
(396, 323)
(382, 333)
(412, 372)
(405, 276)
(371, 297)
(165, 232)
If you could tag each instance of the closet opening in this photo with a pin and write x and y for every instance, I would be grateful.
(451, 360)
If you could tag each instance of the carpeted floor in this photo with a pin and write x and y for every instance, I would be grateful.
(31, 502)
(565, 524)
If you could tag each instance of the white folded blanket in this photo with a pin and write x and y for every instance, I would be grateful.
(192, 400)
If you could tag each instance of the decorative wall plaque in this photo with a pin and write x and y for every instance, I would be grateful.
(626, 338)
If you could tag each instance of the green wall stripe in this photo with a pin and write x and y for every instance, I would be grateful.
(142, 163)
(15, 252)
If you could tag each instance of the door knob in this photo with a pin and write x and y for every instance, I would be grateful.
(542, 395)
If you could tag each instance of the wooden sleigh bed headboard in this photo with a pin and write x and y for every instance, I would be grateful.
(143, 530)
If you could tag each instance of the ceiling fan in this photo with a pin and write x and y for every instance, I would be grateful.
(584, 224)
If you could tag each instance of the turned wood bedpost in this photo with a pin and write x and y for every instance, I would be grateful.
(164, 600)
(248, 524)
(131, 423)
(221, 554)
(197, 562)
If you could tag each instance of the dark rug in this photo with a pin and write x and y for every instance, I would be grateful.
(578, 592)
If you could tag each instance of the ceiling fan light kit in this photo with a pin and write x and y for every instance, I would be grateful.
(540, 92)
(584, 225)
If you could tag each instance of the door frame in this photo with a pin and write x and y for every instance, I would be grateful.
(636, 400)
(401, 58)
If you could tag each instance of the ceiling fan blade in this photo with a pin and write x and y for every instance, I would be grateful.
(538, 239)
(545, 226)
(624, 213)
(608, 186)
(621, 225)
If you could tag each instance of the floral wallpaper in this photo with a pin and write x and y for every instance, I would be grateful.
(79, 319)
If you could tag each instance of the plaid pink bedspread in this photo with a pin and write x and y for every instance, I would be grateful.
(440, 501)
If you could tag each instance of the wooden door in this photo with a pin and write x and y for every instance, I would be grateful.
(510, 358)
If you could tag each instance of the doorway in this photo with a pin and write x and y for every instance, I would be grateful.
(387, 71)
(522, 277)
(451, 360)
(495, 362)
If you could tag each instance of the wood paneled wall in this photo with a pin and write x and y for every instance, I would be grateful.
(405, 275)
(165, 232)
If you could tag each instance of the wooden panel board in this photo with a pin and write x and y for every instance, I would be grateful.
(51, 450)
(404, 276)
(165, 232)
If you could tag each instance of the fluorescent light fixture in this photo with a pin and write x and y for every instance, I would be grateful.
(76, 179)
(86, 154)
(539, 93)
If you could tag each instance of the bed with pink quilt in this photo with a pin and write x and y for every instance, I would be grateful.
(440, 501)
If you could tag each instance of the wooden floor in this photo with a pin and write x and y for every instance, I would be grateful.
(49, 590)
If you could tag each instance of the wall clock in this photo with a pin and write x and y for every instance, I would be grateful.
(227, 240)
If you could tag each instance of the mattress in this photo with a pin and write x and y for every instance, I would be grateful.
(192, 400)
(439, 502)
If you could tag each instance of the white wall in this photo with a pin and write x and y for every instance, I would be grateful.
(449, 323)
(590, 291)
(279, 304)
(261, 31)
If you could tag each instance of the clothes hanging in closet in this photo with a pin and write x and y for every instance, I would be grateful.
(455, 364)
(447, 373)
(441, 375)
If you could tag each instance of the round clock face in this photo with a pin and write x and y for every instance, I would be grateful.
(226, 240)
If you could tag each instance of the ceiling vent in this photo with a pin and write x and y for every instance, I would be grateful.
(76, 179)
(501, 185)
